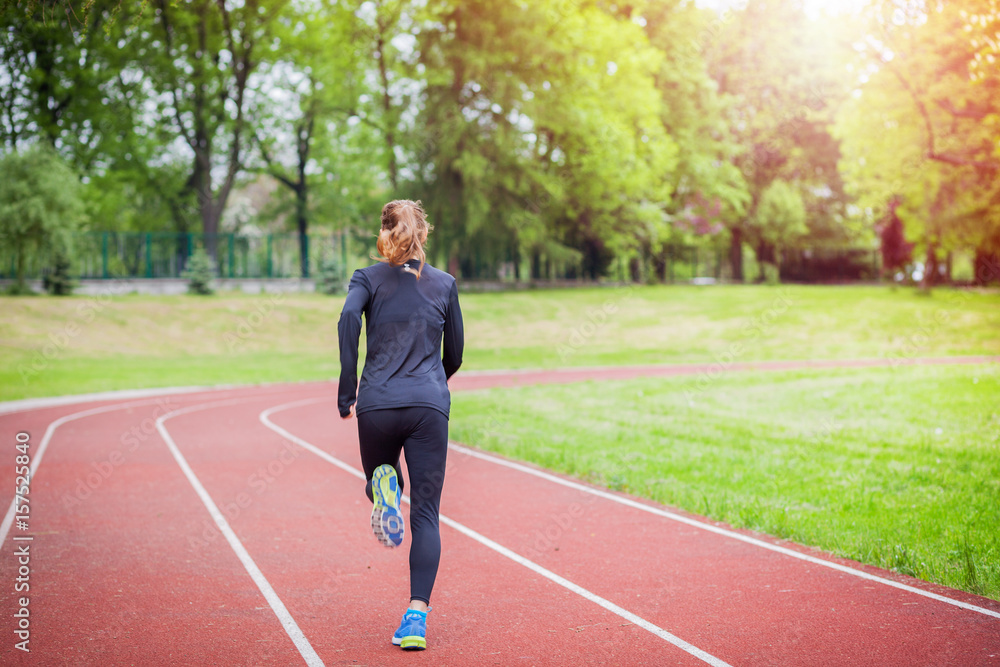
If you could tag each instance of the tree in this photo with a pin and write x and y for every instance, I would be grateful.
(543, 132)
(75, 83)
(920, 131)
(709, 187)
(200, 57)
(896, 252)
(778, 68)
(40, 205)
(313, 91)
(779, 221)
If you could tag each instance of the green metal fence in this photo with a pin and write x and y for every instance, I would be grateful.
(165, 254)
(105, 255)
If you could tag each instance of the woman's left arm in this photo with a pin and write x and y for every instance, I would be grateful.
(349, 333)
(454, 334)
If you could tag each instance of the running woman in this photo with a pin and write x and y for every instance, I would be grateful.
(402, 401)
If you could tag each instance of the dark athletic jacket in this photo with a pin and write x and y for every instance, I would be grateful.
(405, 320)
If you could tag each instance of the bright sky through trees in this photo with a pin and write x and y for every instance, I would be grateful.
(813, 7)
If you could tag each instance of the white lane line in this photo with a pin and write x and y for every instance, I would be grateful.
(720, 531)
(30, 404)
(500, 549)
(690, 522)
(291, 627)
(36, 455)
(586, 594)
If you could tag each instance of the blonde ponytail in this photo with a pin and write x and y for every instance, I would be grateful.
(403, 234)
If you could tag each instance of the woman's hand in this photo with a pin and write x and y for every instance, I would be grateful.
(349, 414)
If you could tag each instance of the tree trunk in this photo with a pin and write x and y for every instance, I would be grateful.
(201, 181)
(387, 107)
(302, 221)
(47, 102)
(660, 266)
(930, 276)
(635, 270)
(20, 267)
(765, 255)
(736, 253)
(986, 267)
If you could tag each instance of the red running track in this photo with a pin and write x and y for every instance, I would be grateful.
(230, 526)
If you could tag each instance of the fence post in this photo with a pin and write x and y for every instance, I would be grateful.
(232, 253)
(343, 251)
(269, 266)
(104, 255)
(305, 254)
(149, 255)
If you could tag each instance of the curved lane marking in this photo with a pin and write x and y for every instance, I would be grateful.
(721, 531)
(668, 515)
(36, 459)
(277, 606)
(490, 544)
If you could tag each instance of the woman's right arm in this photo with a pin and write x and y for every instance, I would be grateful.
(349, 333)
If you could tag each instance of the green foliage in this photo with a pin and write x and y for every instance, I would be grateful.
(552, 134)
(543, 128)
(920, 132)
(59, 282)
(200, 271)
(771, 273)
(329, 279)
(779, 72)
(780, 219)
(40, 204)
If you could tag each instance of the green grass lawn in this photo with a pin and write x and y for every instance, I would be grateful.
(895, 467)
(56, 346)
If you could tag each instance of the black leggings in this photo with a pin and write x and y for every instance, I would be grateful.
(422, 435)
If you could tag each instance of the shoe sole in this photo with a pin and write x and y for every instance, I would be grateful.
(415, 643)
(386, 520)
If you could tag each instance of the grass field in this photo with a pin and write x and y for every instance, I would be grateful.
(56, 346)
(895, 467)
(898, 467)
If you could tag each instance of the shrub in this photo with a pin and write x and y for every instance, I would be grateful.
(59, 282)
(199, 272)
(772, 274)
(328, 280)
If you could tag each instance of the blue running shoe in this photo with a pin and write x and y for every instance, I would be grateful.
(387, 520)
(412, 632)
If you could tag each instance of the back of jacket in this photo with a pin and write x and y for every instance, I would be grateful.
(407, 320)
